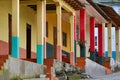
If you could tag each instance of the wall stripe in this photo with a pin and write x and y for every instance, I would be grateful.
(40, 54)
(15, 47)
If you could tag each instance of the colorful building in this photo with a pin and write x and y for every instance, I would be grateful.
(51, 29)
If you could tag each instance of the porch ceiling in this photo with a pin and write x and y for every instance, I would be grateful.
(51, 4)
(111, 13)
(75, 4)
(48, 7)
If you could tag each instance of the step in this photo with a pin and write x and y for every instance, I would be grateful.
(3, 59)
(66, 60)
(38, 79)
(80, 62)
(31, 60)
(49, 63)
(107, 64)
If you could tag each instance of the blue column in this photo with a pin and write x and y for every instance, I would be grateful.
(15, 47)
(40, 54)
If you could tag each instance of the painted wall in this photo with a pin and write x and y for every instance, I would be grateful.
(5, 8)
(65, 28)
(27, 15)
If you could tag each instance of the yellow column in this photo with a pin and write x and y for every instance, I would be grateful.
(103, 24)
(45, 29)
(117, 43)
(72, 39)
(15, 28)
(109, 25)
(40, 30)
(59, 31)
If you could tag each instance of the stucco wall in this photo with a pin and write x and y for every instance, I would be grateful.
(28, 15)
(65, 28)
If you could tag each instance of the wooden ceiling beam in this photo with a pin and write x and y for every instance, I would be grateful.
(65, 5)
(34, 2)
(30, 2)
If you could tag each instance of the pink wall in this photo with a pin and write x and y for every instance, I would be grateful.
(4, 50)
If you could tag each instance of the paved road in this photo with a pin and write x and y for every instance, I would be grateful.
(114, 76)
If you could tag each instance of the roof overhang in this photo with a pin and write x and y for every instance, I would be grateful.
(111, 13)
(94, 11)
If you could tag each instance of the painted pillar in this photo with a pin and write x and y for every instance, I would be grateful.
(15, 29)
(109, 40)
(100, 43)
(92, 39)
(40, 31)
(117, 43)
(82, 32)
(59, 31)
(72, 39)
(45, 55)
(75, 38)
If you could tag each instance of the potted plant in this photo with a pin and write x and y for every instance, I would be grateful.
(81, 43)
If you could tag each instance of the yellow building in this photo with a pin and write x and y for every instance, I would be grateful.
(41, 29)
(26, 27)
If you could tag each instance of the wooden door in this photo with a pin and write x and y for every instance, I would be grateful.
(10, 32)
(55, 41)
(28, 40)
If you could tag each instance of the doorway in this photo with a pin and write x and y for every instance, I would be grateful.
(28, 41)
(55, 41)
(10, 32)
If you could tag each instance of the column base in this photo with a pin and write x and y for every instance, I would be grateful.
(93, 56)
(59, 53)
(40, 54)
(15, 47)
(101, 60)
(72, 61)
(82, 51)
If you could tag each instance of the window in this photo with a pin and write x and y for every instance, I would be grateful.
(46, 29)
(64, 39)
(95, 40)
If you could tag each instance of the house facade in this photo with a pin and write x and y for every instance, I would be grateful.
(42, 29)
